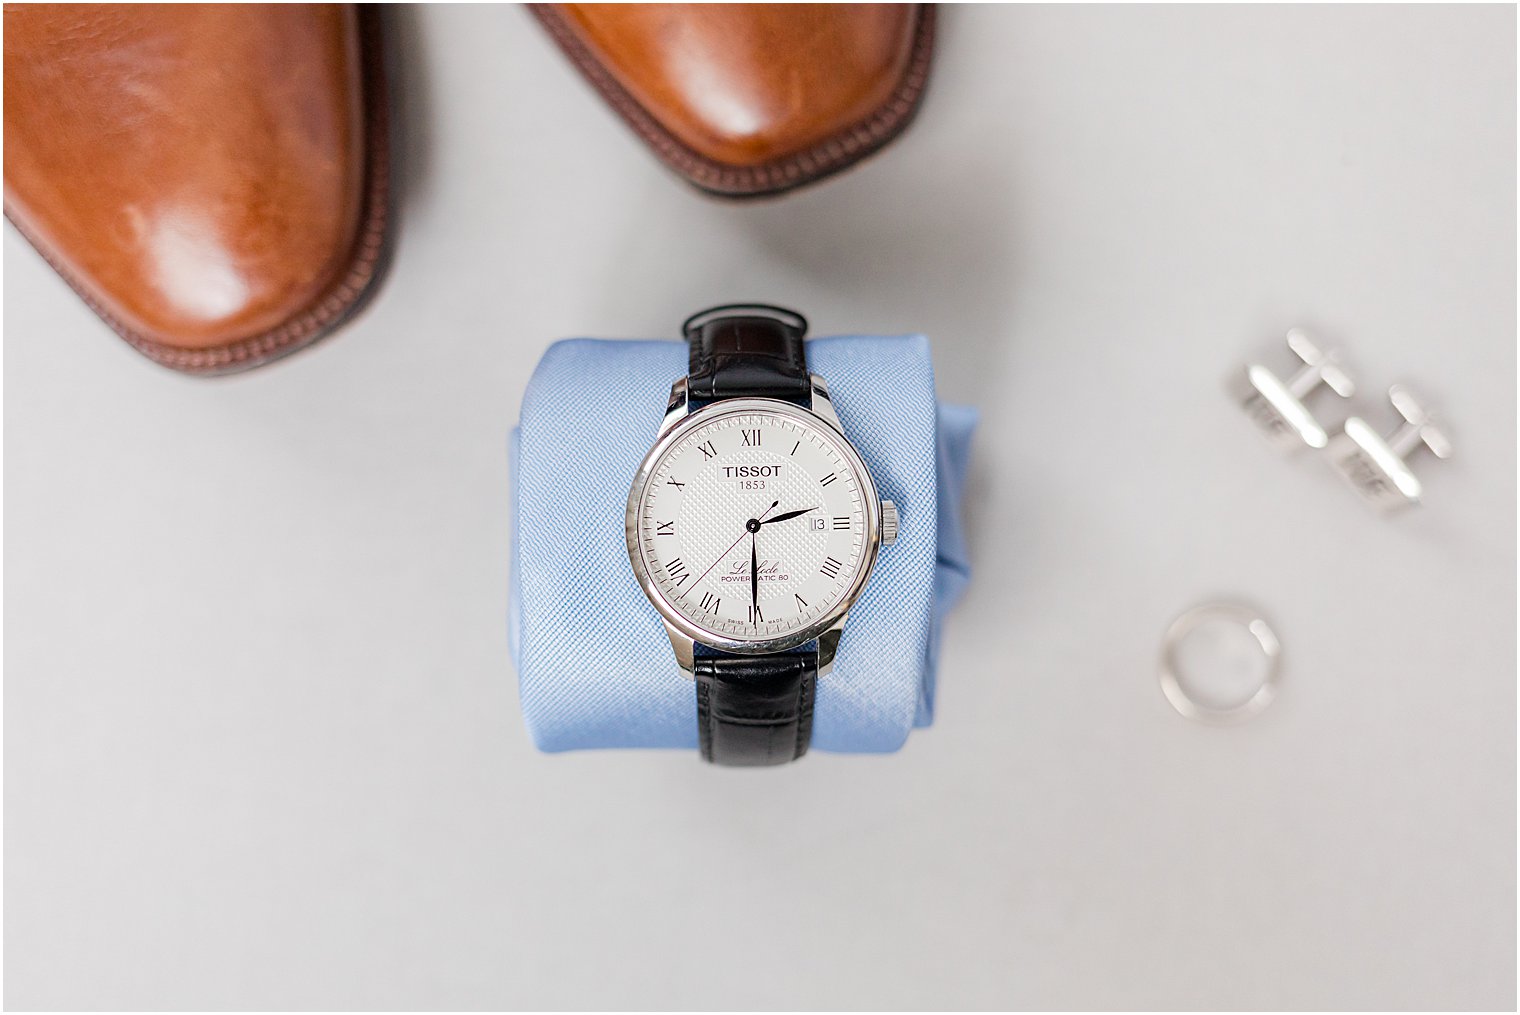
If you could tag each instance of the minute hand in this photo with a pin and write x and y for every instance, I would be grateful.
(789, 514)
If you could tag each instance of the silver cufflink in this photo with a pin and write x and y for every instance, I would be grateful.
(1277, 406)
(1376, 465)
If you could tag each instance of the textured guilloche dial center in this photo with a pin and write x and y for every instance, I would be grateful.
(753, 525)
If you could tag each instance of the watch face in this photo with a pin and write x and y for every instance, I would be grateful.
(752, 525)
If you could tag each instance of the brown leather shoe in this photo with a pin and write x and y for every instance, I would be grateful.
(752, 99)
(212, 180)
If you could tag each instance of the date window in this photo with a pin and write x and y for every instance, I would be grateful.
(817, 524)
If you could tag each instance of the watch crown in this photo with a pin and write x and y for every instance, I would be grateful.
(888, 523)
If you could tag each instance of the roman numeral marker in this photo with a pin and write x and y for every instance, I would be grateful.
(831, 567)
(826, 480)
(678, 486)
(715, 603)
(751, 438)
(676, 571)
(794, 448)
(842, 522)
(800, 601)
(665, 528)
(708, 451)
(755, 615)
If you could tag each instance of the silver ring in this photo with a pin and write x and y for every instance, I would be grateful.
(1241, 616)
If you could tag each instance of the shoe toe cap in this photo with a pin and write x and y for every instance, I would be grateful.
(746, 84)
(197, 174)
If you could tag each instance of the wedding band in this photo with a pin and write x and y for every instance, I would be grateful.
(1240, 616)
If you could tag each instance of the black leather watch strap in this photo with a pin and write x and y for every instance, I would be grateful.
(751, 710)
(747, 351)
(755, 710)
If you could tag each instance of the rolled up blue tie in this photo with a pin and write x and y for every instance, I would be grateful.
(594, 664)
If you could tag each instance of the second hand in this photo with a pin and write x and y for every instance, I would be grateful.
(729, 550)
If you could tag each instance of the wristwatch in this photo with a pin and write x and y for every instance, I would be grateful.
(753, 525)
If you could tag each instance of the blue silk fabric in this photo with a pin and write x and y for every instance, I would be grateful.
(594, 664)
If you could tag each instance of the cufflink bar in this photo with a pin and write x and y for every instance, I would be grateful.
(1375, 465)
(1277, 406)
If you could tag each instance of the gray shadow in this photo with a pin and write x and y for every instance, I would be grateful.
(911, 253)
(411, 102)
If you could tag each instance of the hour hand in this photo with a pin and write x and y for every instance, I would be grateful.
(789, 514)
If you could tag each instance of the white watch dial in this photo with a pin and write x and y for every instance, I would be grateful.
(752, 526)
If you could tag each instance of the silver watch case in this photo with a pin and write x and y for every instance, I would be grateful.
(684, 636)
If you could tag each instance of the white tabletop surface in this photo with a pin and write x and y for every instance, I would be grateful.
(262, 742)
